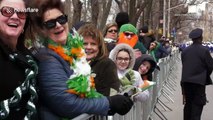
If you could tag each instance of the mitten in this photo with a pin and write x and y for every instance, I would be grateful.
(119, 104)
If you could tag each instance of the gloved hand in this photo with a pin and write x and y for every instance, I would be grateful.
(119, 104)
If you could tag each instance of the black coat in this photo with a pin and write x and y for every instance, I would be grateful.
(12, 75)
(146, 40)
(197, 65)
(106, 75)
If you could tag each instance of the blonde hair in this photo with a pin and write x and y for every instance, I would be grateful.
(109, 25)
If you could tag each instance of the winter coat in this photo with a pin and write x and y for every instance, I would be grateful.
(146, 40)
(143, 58)
(106, 79)
(141, 47)
(154, 51)
(161, 52)
(135, 78)
(197, 65)
(12, 73)
(55, 102)
(168, 49)
(110, 43)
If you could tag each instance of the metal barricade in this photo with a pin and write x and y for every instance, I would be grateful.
(165, 82)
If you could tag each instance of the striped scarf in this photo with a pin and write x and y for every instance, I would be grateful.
(27, 86)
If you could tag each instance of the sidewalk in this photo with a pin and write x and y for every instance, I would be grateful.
(177, 106)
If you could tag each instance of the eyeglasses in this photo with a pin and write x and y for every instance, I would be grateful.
(129, 34)
(110, 31)
(123, 59)
(52, 23)
(9, 11)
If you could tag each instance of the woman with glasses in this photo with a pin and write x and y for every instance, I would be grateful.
(17, 67)
(110, 33)
(128, 35)
(124, 58)
(66, 84)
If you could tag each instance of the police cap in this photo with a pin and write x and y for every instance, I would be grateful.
(196, 33)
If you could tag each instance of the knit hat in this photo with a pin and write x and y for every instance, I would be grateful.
(122, 18)
(145, 29)
(128, 27)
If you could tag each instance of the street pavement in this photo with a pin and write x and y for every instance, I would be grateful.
(177, 105)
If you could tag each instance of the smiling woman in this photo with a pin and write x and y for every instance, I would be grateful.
(124, 58)
(18, 69)
(65, 89)
(101, 65)
(14, 26)
(56, 26)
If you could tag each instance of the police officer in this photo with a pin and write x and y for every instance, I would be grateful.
(197, 66)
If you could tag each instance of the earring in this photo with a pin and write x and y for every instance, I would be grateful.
(22, 31)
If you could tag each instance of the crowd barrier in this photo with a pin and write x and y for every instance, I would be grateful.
(165, 79)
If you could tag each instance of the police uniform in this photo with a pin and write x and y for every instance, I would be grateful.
(197, 66)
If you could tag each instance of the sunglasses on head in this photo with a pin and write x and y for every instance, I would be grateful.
(52, 23)
(9, 11)
(110, 31)
(129, 34)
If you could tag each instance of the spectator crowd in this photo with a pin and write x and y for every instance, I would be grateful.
(66, 70)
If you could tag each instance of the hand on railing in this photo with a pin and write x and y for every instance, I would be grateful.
(119, 104)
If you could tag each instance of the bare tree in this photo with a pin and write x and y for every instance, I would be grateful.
(178, 14)
(136, 10)
(84, 10)
(181, 19)
(105, 9)
(154, 14)
(141, 12)
(68, 10)
(77, 4)
(133, 7)
(120, 3)
(148, 12)
(95, 11)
